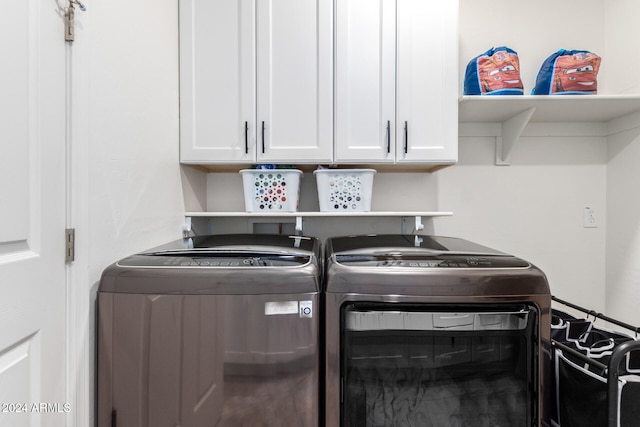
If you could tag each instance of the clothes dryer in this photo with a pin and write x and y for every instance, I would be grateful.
(434, 331)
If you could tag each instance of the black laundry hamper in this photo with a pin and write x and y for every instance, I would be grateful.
(596, 372)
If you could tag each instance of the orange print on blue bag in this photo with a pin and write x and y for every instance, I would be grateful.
(499, 72)
(576, 73)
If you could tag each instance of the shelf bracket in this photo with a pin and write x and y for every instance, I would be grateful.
(419, 225)
(298, 225)
(511, 131)
(186, 227)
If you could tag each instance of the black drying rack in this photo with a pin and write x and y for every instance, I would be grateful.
(611, 370)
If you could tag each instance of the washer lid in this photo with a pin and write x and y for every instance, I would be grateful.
(398, 266)
(220, 265)
(215, 258)
(386, 243)
(230, 251)
(245, 242)
(423, 252)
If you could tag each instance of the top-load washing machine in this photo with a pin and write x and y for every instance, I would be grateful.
(434, 331)
(211, 331)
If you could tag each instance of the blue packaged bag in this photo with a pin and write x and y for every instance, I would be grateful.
(568, 72)
(495, 72)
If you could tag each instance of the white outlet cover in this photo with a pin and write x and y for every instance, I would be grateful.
(589, 217)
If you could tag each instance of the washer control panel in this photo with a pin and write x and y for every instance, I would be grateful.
(436, 261)
(242, 261)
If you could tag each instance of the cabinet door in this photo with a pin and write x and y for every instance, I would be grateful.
(427, 106)
(295, 81)
(217, 81)
(365, 80)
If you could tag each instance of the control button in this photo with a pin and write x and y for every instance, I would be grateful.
(414, 264)
(430, 264)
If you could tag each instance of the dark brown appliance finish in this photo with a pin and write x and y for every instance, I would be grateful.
(434, 331)
(213, 331)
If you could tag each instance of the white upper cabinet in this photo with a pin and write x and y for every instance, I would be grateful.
(295, 80)
(256, 81)
(396, 81)
(365, 80)
(217, 81)
(427, 64)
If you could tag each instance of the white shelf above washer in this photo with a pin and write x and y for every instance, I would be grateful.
(418, 215)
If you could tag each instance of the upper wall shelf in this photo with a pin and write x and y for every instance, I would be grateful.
(554, 108)
(515, 112)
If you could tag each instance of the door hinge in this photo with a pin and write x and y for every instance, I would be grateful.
(69, 23)
(70, 19)
(70, 245)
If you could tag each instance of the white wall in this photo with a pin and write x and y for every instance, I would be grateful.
(134, 178)
(623, 201)
(125, 177)
(623, 226)
(621, 46)
(534, 29)
(606, 274)
(126, 143)
(533, 208)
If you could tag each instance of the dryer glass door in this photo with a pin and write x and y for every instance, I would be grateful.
(437, 365)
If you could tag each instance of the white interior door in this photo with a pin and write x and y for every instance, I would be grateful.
(32, 216)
